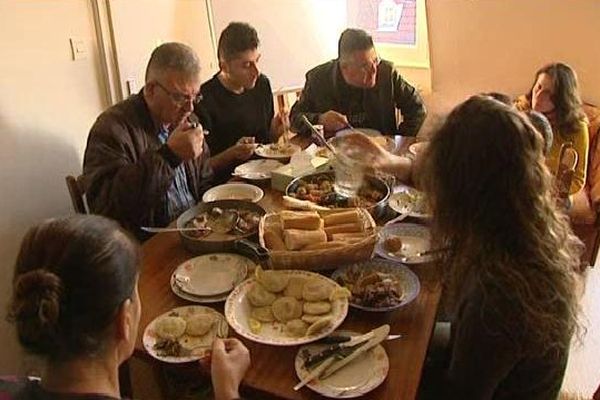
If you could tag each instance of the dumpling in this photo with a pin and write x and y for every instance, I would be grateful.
(294, 287)
(319, 326)
(170, 327)
(311, 319)
(286, 309)
(296, 328)
(260, 297)
(263, 314)
(273, 281)
(317, 307)
(199, 324)
(316, 290)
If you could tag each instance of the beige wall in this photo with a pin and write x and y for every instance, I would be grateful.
(47, 104)
(485, 45)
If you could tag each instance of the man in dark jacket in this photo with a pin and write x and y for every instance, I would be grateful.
(359, 90)
(145, 162)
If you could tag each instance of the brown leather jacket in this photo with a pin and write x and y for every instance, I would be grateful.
(127, 171)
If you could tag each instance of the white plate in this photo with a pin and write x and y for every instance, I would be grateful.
(415, 239)
(408, 200)
(219, 329)
(407, 280)
(196, 299)
(269, 151)
(234, 191)
(257, 169)
(211, 274)
(237, 312)
(360, 376)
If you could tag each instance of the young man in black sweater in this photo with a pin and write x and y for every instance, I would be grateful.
(237, 103)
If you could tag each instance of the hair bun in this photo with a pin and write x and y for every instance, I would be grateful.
(36, 308)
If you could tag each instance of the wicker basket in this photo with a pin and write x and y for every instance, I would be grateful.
(322, 259)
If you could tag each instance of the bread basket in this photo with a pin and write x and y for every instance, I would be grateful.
(322, 259)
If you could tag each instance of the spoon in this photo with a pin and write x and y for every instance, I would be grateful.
(154, 229)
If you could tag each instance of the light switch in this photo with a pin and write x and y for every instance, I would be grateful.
(78, 48)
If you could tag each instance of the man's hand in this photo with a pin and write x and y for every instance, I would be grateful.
(186, 142)
(333, 121)
(230, 360)
(242, 150)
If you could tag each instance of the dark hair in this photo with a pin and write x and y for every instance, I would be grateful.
(174, 56)
(236, 38)
(352, 40)
(501, 97)
(566, 99)
(543, 126)
(495, 210)
(71, 276)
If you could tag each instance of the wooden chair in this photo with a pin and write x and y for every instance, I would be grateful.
(585, 210)
(77, 193)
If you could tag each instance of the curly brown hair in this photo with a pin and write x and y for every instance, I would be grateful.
(566, 98)
(494, 210)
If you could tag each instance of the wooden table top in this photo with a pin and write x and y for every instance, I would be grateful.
(272, 373)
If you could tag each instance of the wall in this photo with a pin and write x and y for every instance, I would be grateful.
(47, 104)
(136, 35)
(295, 35)
(484, 45)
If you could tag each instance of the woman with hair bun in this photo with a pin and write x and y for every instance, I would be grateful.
(75, 303)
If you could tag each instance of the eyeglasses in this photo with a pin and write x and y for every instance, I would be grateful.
(368, 65)
(180, 99)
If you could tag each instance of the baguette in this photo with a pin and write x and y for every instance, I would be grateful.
(308, 220)
(344, 217)
(345, 236)
(343, 228)
(295, 239)
(273, 240)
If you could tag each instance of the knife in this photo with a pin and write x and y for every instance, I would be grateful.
(379, 335)
(338, 342)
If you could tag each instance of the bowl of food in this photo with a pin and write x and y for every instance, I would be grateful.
(220, 224)
(378, 285)
(319, 189)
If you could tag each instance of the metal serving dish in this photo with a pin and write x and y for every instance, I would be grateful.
(377, 210)
(216, 242)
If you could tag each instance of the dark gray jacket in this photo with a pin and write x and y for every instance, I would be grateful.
(375, 108)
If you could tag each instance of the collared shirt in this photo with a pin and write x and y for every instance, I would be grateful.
(179, 197)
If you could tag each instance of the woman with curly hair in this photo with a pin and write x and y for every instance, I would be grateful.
(75, 303)
(511, 256)
(555, 94)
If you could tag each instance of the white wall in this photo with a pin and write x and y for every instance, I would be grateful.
(295, 35)
(47, 105)
(498, 45)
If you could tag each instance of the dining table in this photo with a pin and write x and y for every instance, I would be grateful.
(272, 374)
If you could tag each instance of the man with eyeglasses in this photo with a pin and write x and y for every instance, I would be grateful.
(237, 103)
(146, 159)
(359, 90)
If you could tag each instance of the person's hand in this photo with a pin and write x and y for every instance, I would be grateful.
(187, 142)
(280, 124)
(230, 360)
(242, 150)
(333, 121)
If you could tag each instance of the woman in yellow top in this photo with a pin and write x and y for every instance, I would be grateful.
(555, 94)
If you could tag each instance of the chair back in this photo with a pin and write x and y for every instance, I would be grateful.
(77, 193)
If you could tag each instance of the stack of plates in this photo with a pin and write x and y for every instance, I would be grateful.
(209, 278)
